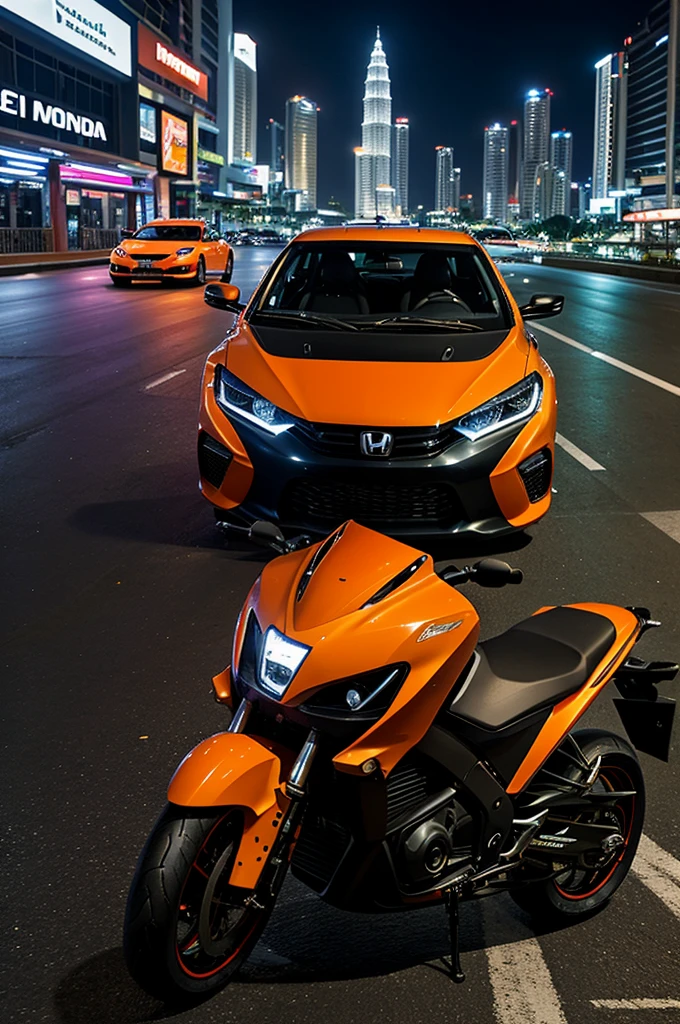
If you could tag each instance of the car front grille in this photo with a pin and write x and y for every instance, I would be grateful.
(536, 473)
(331, 501)
(213, 459)
(155, 257)
(344, 442)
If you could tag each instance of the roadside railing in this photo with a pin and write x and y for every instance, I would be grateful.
(98, 238)
(20, 240)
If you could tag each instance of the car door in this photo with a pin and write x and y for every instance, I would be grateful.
(210, 250)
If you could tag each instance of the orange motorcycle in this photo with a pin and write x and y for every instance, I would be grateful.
(393, 761)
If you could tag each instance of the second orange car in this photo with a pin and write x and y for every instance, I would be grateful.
(171, 250)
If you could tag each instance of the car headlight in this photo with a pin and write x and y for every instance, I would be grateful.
(233, 396)
(280, 659)
(519, 402)
(185, 251)
(120, 251)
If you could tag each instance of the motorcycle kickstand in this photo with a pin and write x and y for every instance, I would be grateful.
(452, 908)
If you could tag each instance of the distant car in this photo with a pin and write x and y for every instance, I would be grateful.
(172, 249)
(383, 375)
(495, 236)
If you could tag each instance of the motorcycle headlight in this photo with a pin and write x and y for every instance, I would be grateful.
(519, 402)
(280, 659)
(119, 251)
(185, 252)
(233, 396)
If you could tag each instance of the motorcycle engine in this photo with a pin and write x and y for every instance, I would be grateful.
(431, 849)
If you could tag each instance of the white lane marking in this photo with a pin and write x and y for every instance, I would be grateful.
(636, 1004)
(605, 358)
(522, 986)
(162, 380)
(669, 522)
(577, 454)
(660, 872)
(564, 338)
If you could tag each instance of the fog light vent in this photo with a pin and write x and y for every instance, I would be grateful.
(213, 459)
(536, 473)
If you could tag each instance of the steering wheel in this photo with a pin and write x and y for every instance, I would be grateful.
(442, 296)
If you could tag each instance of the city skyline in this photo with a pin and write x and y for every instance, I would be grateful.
(292, 59)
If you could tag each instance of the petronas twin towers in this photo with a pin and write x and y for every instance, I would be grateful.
(374, 194)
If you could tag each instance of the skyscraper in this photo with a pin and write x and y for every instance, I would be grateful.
(652, 121)
(245, 99)
(300, 158)
(276, 145)
(373, 160)
(400, 165)
(536, 144)
(560, 161)
(611, 103)
(496, 159)
(444, 179)
(514, 166)
(456, 188)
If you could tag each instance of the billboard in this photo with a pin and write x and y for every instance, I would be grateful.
(155, 54)
(83, 24)
(174, 144)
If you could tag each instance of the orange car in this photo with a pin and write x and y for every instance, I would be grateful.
(174, 249)
(383, 375)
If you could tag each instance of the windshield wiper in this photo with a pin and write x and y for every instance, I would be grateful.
(308, 320)
(459, 326)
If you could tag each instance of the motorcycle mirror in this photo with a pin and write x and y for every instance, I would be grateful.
(491, 572)
(267, 535)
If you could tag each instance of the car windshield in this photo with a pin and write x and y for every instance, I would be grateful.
(170, 233)
(381, 286)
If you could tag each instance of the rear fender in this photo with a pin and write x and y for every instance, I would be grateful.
(236, 770)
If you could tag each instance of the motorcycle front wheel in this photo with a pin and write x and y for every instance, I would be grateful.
(187, 931)
(584, 889)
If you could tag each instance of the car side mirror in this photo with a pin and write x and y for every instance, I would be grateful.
(267, 535)
(127, 232)
(542, 306)
(223, 296)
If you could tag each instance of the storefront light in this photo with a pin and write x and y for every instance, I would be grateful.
(23, 164)
(19, 173)
(27, 157)
(89, 169)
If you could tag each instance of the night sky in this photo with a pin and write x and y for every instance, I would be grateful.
(454, 68)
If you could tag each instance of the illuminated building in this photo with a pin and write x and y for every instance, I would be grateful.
(400, 165)
(652, 127)
(275, 132)
(456, 188)
(609, 149)
(245, 100)
(300, 156)
(561, 148)
(536, 146)
(444, 198)
(496, 158)
(373, 157)
(514, 167)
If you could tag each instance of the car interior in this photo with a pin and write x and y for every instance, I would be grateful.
(447, 283)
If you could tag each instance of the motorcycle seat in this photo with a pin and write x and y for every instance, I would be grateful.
(533, 665)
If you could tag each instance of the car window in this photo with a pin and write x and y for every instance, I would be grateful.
(370, 281)
(169, 233)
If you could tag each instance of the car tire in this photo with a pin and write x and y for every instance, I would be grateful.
(200, 278)
(228, 270)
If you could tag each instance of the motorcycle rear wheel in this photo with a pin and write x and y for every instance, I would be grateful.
(578, 893)
(186, 931)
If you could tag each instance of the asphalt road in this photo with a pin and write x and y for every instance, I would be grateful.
(119, 602)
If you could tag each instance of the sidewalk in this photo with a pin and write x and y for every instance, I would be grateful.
(30, 262)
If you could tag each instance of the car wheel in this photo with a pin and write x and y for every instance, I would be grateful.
(200, 272)
(228, 270)
(120, 282)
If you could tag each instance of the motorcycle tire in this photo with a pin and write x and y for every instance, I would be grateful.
(181, 939)
(578, 893)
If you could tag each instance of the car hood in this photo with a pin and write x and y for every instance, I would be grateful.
(378, 393)
(133, 246)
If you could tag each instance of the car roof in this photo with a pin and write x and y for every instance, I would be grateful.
(388, 235)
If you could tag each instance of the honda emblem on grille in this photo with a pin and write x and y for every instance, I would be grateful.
(376, 442)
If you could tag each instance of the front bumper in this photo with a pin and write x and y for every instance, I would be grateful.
(132, 271)
(486, 487)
